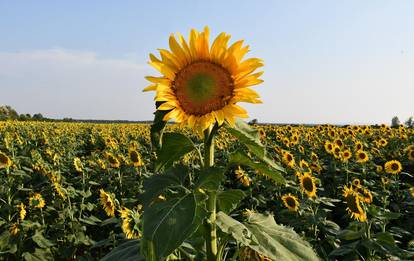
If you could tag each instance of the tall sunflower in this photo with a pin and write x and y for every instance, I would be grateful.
(201, 84)
(5, 161)
(107, 203)
(307, 183)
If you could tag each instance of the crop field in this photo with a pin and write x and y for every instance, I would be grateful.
(74, 191)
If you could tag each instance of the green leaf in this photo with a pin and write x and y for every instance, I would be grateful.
(167, 224)
(174, 146)
(262, 234)
(267, 170)
(248, 136)
(229, 200)
(157, 183)
(40, 240)
(128, 251)
(38, 255)
(348, 234)
(157, 128)
(210, 178)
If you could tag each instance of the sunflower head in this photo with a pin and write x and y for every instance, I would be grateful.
(107, 203)
(77, 163)
(362, 156)
(201, 83)
(242, 177)
(393, 167)
(135, 158)
(14, 229)
(288, 159)
(356, 182)
(37, 201)
(354, 207)
(307, 183)
(346, 155)
(5, 161)
(131, 222)
(22, 211)
(291, 202)
(113, 160)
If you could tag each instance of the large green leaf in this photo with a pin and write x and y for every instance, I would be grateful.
(210, 178)
(174, 146)
(128, 251)
(229, 200)
(262, 234)
(167, 224)
(248, 136)
(266, 169)
(157, 183)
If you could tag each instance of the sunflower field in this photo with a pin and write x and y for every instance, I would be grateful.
(74, 191)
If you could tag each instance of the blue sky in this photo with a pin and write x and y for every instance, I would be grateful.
(326, 61)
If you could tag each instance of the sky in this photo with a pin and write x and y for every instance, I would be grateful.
(337, 62)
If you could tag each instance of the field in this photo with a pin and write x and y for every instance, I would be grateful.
(74, 191)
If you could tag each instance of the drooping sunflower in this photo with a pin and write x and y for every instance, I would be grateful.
(242, 177)
(5, 161)
(77, 163)
(22, 211)
(362, 156)
(307, 183)
(353, 204)
(130, 223)
(113, 160)
(135, 158)
(288, 159)
(291, 202)
(393, 167)
(107, 203)
(201, 84)
(37, 201)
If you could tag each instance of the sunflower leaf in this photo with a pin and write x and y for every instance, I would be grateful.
(249, 137)
(270, 171)
(262, 234)
(229, 200)
(174, 146)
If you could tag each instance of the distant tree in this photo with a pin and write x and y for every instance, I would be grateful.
(395, 122)
(37, 116)
(253, 122)
(7, 112)
(410, 122)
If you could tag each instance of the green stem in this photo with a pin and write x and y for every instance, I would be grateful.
(211, 233)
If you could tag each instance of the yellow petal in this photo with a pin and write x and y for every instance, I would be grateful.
(151, 87)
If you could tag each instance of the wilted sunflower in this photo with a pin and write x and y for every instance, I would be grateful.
(392, 167)
(307, 183)
(353, 204)
(107, 203)
(201, 84)
(291, 202)
(248, 254)
(135, 158)
(37, 201)
(77, 163)
(362, 156)
(5, 161)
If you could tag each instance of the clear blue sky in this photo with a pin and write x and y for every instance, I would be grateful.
(326, 61)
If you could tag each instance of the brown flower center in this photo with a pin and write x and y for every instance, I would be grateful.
(203, 87)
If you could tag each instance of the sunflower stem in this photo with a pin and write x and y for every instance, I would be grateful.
(211, 230)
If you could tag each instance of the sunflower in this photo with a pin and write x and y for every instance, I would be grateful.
(242, 177)
(411, 155)
(59, 191)
(346, 155)
(365, 195)
(14, 229)
(307, 183)
(392, 167)
(107, 203)
(356, 182)
(358, 146)
(113, 160)
(385, 180)
(22, 211)
(248, 254)
(5, 161)
(412, 191)
(329, 147)
(135, 158)
(77, 163)
(130, 223)
(353, 204)
(291, 202)
(288, 159)
(37, 201)
(362, 156)
(314, 157)
(201, 84)
(378, 169)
